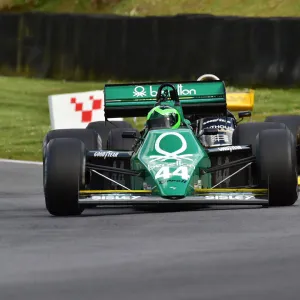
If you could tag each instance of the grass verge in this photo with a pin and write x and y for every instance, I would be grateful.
(24, 115)
(159, 7)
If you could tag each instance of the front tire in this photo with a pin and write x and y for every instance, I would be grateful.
(64, 167)
(90, 138)
(276, 164)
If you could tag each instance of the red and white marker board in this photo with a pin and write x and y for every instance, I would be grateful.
(76, 110)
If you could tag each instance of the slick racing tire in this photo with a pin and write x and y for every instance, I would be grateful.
(89, 137)
(103, 128)
(293, 123)
(245, 134)
(116, 142)
(276, 166)
(64, 176)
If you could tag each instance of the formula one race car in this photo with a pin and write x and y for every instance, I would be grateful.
(170, 161)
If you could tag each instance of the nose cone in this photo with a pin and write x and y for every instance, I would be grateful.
(172, 158)
(174, 185)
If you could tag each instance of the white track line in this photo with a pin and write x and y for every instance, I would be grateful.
(24, 162)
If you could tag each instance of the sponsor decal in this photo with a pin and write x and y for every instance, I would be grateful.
(216, 120)
(172, 180)
(230, 197)
(105, 154)
(230, 148)
(175, 164)
(140, 91)
(114, 197)
(164, 168)
(220, 127)
(170, 155)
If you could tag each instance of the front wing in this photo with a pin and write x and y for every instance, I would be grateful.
(201, 197)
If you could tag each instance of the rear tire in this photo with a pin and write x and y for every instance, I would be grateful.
(276, 166)
(64, 176)
(103, 128)
(89, 137)
(116, 142)
(245, 134)
(293, 123)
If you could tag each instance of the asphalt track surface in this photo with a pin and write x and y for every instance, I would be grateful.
(121, 254)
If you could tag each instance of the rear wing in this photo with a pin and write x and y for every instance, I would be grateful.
(135, 100)
(238, 101)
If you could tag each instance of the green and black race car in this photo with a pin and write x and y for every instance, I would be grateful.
(175, 159)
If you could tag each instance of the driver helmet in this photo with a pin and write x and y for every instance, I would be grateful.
(163, 116)
(208, 77)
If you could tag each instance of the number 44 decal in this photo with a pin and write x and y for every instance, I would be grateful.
(165, 173)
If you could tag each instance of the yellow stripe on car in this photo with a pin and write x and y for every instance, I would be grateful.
(114, 191)
(231, 190)
(196, 190)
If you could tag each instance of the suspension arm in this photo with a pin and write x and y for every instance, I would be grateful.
(234, 163)
(112, 169)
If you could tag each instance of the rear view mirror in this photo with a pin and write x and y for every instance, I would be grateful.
(244, 114)
(210, 131)
(129, 135)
